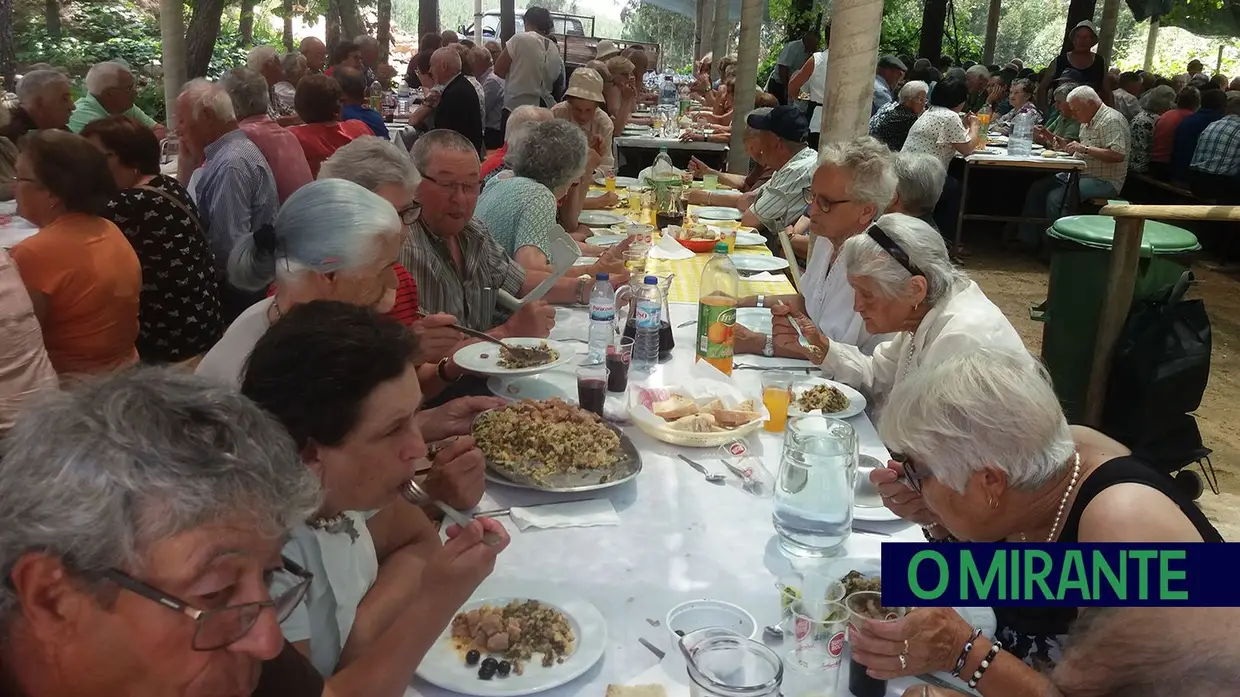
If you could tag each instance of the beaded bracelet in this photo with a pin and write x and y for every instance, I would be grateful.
(964, 655)
(981, 670)
(931, 538)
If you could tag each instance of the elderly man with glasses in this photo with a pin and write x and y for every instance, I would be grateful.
(110, 90)
(147, 568)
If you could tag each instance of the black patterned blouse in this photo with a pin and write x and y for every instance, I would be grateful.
(180, 307)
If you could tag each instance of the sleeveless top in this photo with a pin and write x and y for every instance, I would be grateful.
(1035, 635)
(1094, 74)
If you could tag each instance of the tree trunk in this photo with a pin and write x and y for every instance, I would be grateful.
(52, 8)
(932, 20)
(288, 26)
(245, 24)
(8, 60)
(428, 16)
(384, 31)
(1078, 11)
(1106, 38)
(333, 25)
(855, 26)
(172, 58)
(200, 36)
(351, 25)
(992, 32)
(746, 81)
(719, 45)
(802, 19)
(1150, 44)
(507, 19)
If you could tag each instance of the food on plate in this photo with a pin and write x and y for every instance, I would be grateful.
(826, 398)
(856, 582)
(517, 632)
(1051, 153)
(542, 439)
(636, 691)
(684, 414)
(697, 231)
(526, 356)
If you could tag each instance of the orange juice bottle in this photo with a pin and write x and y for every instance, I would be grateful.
(717, 298)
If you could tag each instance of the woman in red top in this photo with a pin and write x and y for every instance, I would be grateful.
(1186, 103)
(318, 104)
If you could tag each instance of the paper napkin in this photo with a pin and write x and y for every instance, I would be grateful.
(573, 514)
(669, 248)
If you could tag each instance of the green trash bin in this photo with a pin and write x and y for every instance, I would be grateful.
(1080, 261)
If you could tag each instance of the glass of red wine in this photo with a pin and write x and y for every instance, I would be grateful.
(592, 387)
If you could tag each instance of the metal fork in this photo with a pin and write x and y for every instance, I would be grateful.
(415, 494)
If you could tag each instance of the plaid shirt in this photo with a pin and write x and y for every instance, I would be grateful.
(1218, 148)
(1108, 129)
(469, 295)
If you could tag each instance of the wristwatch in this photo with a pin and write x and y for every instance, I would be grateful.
(768, 349)
(761, 301)
(442, 373)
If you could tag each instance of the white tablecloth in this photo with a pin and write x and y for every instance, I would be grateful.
(679, 538)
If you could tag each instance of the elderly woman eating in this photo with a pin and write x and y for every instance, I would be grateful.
(146, 569)
(343, 381)
(988, 457)
(853, 184)
(904, 283)
(1020, 95)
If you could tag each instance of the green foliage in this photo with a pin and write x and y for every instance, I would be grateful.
(671, 31)
(1205, 17)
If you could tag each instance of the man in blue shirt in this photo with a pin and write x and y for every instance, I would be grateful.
(887, 75)
(1190, 129)
(353, 86)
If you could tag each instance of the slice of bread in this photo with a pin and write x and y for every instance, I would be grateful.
(636, 691)
(733, 418)
(675, 407)
(695, 423)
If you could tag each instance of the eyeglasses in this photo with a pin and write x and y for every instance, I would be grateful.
(470, 189)
(913, 477)
(823, 203)
(226, 625)
(410, 213)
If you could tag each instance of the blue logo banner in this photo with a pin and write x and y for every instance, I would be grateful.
(1060, 574)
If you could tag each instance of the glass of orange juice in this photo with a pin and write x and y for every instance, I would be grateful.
(776, 395)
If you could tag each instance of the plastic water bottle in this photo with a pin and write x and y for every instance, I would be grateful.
(662, 169)
(668, 96)
(402, 100)
(1020, 144)
(602, 318)
(646, 340)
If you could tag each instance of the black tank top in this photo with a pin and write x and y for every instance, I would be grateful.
(1094, 74)
(1121, 470)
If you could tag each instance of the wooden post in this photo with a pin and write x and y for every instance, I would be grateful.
(428, 17)
(1106, 33)
(855, 27)
(1121, 279)
(933, 17)
(992, 34)
(702, 32)
(172, 37)
(746, 81)
(478, 22)
(1150, 44)
(507, 19)
(1218, 67)
(719, 45)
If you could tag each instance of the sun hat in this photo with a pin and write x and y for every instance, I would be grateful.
(585, 83)
(605, 49)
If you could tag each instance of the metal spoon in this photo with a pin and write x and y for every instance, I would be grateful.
(710, 477)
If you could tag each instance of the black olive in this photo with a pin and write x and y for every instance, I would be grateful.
(504, 669)
(489, 662)
(679, 633)
(485, 673)
(471, 657)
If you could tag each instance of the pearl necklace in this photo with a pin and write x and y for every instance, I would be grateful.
(1063, 503)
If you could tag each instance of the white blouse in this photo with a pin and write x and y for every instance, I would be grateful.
(936, 132)
(829, 301)
(964, 321)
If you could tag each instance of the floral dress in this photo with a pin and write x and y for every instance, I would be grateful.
(1142, 141)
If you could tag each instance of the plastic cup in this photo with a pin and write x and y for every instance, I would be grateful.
(859, 606)
(619, 358)
(710, 182)
(776, 395)
(818, 638)
(609, 183)
(635, 259)
(592, 387)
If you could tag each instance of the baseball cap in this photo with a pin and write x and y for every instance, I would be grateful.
(892, 62)
(788, 122)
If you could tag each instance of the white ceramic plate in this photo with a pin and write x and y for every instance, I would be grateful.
(595, 193)
(585, 261)
(445, 667)
(471, 357)
(605, 240)
(601, 218)
(620, 181)
(717, 213)
(758, 262)
(856, 400)
(867, 504)
(750, 239)
(757, 319)
(548, 385)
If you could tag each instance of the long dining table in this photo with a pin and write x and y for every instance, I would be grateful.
(679, 538)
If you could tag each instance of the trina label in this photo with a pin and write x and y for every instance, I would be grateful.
(802, 628)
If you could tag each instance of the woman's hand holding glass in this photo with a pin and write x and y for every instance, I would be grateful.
(926, 640)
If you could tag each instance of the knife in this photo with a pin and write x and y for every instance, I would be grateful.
(793, 368)
(653, 649)
(564, 253)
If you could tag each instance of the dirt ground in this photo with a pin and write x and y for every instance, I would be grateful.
(1014, 281)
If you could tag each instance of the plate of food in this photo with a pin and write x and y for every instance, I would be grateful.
(758, 319)
(1049, 154)
(683, 417)
(696, 237)
(717, 213)
(749, 239)
(604, 239)
(600, 218)
(576, 450)
(756, 263)
(826, 397)
(506, 645)
(552, 384)
(626, 182)
(486, 358)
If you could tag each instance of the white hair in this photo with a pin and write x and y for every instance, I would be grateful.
(371, 162)
(105, 75)
(248, 90)
(1085, 94)
(448, 57)
(365, 40)
(523, 119)
(979, 71)
(35, 83)
(291, 63)
(871, 178)
(327, 225)
(913, 89)
(259, 56)
(978, 409)
(865, 258)
(208, 98)
(921, 177)
(552, 154)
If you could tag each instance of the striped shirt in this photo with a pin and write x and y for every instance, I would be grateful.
(1218, 148)
(781, 200)
(236, 192)
(469, 294)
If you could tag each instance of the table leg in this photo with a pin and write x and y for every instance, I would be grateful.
(1116, 302)
(1072, 198)
(964, 201)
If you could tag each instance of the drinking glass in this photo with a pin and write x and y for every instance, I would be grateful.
(814, 486)
(609, 181)
(619, 358)
(710, 182)
(794, 586)
(592, 387)
(860, 606)
(776, 395)
(634, 196)
(818, 633)
(635, 259)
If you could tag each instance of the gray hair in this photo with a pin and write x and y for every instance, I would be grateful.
(365, 40)
(248, 90)
(1061, 92)
(926, 251)
(978, 71)
(95, 475)
(1159, 100)
(209, 98)
(978, 409)
(912, 90)
(260, 56)
(523, 119)
(1085, 94)
(868, 163)
(921, 177)
(449, 57)
(105, 75)
(552, 154)
(327, 225)
(35, 83)
(291, 63)
(371, 162)
(440, 138)
(956, 72)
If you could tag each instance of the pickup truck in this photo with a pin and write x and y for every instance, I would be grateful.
(577, 45)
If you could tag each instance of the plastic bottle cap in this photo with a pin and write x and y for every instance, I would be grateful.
(601, 276)
(652, 280)
(721, 247)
